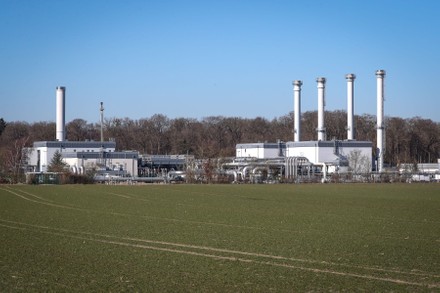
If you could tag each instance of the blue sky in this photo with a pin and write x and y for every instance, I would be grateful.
(195, 59)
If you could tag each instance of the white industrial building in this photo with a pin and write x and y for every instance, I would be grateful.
(42, 152)
(120, 163)
(80, 155)
(331, 156)
(338, 155)
(315, 151)
(260, 150)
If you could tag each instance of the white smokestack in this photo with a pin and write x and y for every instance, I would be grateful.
(350, 105)
(321, 105)
(60, 119)
(380, 75)
(297, 100)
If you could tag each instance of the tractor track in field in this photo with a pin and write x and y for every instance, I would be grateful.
(30, 194)
(39, 200)
(319, 267)
(36, 199)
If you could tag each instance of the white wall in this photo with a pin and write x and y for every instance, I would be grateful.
(317, 153)
(311, 153)
(47, 153)
(256, 151)
(128, 164)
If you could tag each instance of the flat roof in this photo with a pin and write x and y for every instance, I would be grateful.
(97, 155)
(75, 144)
(313, 143)
(265, 145)
(320, 143)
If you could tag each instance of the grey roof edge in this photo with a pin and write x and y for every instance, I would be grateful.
(320, 143)
(97, 155)
(266, 145)
(75, 144)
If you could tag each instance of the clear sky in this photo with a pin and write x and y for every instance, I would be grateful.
(195, 59)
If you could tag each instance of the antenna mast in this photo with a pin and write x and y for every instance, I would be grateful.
(102, 160)
(102, 122)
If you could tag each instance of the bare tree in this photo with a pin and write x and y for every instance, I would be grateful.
(77, 130)
(183, 135)
(41, 131)
(366, 128)
(2, 125)
(14, 158)
(358, 163)
(407, 140)
(336, 124)
(159, 127)
(309, 124)
(283, 127)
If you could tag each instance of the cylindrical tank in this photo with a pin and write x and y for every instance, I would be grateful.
(380, 75)
(60, 114)
(297, 100)
(321, 105)
(350, 105)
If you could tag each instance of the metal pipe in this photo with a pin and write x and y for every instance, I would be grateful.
(321, 105)
(102, 121)
(380, 75)
(350, 105)
(60, 113)
(297, 100)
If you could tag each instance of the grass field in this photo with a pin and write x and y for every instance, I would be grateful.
(206, 238)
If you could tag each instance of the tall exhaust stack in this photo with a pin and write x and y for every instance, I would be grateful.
(321, 105)
(380, 75)
(60, 117)
(297, 100)
(350, 105)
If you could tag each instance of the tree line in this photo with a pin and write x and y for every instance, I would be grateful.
(409, 140)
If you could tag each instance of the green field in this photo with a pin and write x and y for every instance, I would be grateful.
(233, 238)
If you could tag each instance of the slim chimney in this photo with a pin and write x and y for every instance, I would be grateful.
(102, 122)
(60, 114)
(380, 75)
(297, 100)
(321, 105)
(350, 105)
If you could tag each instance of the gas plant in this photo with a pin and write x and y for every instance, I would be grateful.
(292, 161)
(300, 161)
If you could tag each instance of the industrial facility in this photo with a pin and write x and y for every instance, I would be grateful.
(270, 162)
(299, 160)
(80, 156)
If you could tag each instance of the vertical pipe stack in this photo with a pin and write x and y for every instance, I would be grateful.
(297, 100)
(321, 105)
(350, 105)
(380, 75)
(60, 114)
(102, 121)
